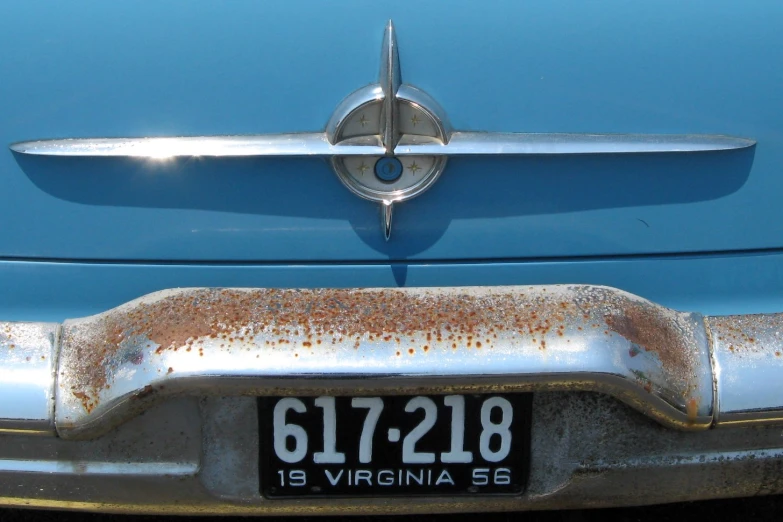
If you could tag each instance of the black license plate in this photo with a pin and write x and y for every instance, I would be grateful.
(394, 445)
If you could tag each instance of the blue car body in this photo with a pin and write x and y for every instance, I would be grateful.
(97, 69)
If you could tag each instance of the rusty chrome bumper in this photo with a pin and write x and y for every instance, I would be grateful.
(87, 381)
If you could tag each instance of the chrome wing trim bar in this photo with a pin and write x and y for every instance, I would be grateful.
(317, 144)
(685, 371)
(373, 129)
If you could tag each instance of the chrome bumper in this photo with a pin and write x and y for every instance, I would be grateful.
(86, 382)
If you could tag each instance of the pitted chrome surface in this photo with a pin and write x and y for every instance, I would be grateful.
(262, 342)
(748, 352)
(27, 353)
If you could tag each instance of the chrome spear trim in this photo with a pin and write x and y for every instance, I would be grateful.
(388, 120)
(386, 218)
(390, 83)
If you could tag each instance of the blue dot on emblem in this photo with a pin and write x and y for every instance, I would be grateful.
(388, 169)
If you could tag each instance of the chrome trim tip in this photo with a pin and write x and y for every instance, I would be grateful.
(387, 207)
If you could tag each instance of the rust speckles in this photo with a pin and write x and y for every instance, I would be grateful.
(658, 331)
(481, 322)
(758, 335)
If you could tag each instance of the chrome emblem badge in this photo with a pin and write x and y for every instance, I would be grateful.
(396, 115)
(387, 142)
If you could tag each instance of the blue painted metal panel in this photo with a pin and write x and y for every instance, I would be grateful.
(716, 284)
(175, 67)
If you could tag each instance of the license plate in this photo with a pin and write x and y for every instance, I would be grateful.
(394, 445)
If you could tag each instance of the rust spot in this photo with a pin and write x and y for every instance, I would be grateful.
(411, 351)
(171, 370)
(692, 408)
(87, 403)
(145, 392)
(307, 344)
(478, 344)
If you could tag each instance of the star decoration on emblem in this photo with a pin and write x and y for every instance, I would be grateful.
(414, 167)
(363, 120)
(363, 167)
(415, 120)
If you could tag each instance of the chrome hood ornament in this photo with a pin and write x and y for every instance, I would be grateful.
(388, 142)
